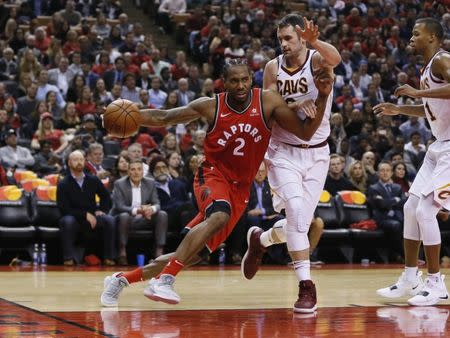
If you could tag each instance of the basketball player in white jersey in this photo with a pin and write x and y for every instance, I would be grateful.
(297, 168)
(431, 188)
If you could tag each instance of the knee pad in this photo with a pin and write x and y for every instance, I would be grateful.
(411, 228)
(426, 217)
(299, 214)
(297, 241)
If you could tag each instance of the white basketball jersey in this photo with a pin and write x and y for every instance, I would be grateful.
(437, 111)
(299, 85)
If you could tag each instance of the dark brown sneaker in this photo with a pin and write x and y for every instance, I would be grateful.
(307, 298)
(255, 251)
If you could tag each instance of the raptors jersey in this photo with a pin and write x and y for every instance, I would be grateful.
(436, 110)
(237, 141)
(299, 85)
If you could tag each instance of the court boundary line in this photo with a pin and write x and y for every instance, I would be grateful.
(45, 314)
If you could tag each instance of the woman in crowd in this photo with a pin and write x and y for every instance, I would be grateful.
(69, 121)
(52, 105)
(76, 88)
(357, 176)
(400, 176)
(85, 104)
(169, 144)
(46, 131)
(175, 164)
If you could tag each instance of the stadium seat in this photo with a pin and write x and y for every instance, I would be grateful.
(334, 236)
(352, 208)
(112, 148)
(16, 232)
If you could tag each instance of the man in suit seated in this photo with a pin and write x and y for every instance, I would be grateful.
(80, 212)
(260, 209)
(136, 205)
(172, 193)
(386, 200)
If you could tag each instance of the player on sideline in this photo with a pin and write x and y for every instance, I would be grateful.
(431, 188)
(296, 169)
(240, 120)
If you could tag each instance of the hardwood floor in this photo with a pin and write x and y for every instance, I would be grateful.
(214, 303)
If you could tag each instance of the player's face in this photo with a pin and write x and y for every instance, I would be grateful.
(238, 83)
(289, 41)
(419, 39)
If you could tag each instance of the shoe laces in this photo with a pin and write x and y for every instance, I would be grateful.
(166, 280)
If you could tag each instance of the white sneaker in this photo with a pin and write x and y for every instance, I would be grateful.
(432, 293)
(403, 287)
(112, 287)
(161, 290)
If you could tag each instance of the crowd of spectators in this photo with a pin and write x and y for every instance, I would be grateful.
(55, 77)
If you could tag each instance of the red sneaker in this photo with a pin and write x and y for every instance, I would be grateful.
(252, 258)
(307, 298)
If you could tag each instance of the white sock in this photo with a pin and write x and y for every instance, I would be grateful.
(435, 277)
(266, 238)
(411, 273)
(302, 269)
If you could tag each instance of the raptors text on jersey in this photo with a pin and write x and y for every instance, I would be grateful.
(237, 141)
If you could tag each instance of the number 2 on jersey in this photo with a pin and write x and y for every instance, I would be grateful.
(427, 107)
(237, 151)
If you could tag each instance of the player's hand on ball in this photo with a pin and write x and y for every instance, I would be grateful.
(386, 109)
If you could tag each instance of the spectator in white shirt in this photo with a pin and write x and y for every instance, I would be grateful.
(44, 87)
(157, 96)
(14, 156)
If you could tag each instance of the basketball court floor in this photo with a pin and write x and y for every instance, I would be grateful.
(215, 302)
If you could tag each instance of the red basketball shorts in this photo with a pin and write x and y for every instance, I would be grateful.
(215, 193)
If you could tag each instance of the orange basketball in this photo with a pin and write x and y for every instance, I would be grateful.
(122, 118)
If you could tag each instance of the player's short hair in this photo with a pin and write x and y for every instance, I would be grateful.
(433, 26)
(234, 63)
(292, 19)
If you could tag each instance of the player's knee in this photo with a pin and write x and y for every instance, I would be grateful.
(297, 215)
(317, 224)
(297, 241)
(218, 220)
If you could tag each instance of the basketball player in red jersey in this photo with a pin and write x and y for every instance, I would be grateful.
(240, 121)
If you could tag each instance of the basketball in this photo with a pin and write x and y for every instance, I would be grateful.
(122, 118)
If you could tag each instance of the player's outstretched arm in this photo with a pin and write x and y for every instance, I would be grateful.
(440, 69)
(389, 109)
(194, 110)
(329, 55)
(289, 120)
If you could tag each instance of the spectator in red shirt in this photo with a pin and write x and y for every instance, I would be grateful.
(104, 64)
(46, 131)
(180, 68)
(42, 40)
(86, 104)
(143, 138)
(72, 44)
